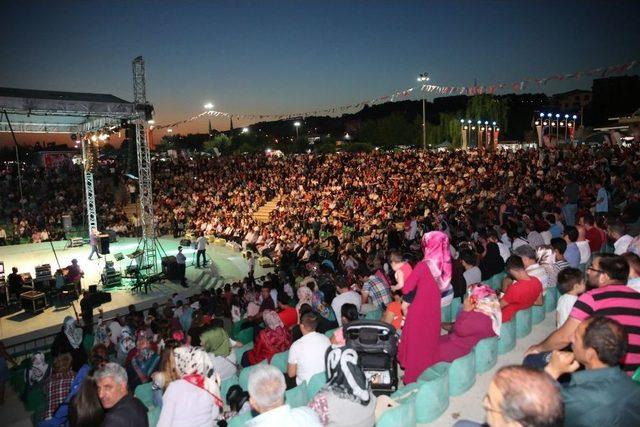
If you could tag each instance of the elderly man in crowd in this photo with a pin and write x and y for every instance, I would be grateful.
(520, 396)
(266, 395)
(121, 409)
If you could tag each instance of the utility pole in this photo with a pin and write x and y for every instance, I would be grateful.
(422, 78)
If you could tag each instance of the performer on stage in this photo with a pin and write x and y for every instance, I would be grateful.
(182, 267)
(74, 274)
(201, 246)
(93, 242)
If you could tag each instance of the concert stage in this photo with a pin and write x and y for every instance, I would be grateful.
(21, 326)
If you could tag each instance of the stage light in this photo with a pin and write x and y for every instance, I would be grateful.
(151, 122)
(466, 127)
(575, 117)
(94, 138)
(482, 128)
(570, 124)
(494, 123)
(479, 122)
(169, 130)
(469, 121)
(557, 116)
(545, 123)
(486, 122)
(566, 116)
(423, 77)
(537, 122)
(245, 130)
(208, 106)
(473, 128)
(151, 127)
(549, 115)
(296, 124)
(497, 129)
(541, 114)
(489, 128)
(461, 120)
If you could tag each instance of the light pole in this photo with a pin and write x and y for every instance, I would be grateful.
(296, 125)
(422, 78)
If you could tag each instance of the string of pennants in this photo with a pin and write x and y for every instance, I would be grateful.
(426, 88)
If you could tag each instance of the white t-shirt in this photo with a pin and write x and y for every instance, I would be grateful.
(565, 304)
(472, 275)
(186, 405)
(202, 243)
(349, 297)
(585, 251)
(308, 354)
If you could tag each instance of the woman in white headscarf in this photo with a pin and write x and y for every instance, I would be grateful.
(69, 340)
(38, 370)
(346, 399)
(194, 399)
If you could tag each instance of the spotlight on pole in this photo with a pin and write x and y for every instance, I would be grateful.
(208, 106)
(245, 130)
(541, 114)
(575, 117)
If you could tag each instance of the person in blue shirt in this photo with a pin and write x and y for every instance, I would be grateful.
(572, 254)
(602, 200)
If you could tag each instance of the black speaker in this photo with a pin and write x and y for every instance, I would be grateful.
(93, 289)
(185, 243)
(103, 244)
(170, 267)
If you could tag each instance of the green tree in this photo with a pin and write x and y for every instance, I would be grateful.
(221, 142)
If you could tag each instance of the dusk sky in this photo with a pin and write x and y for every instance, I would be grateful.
(286, 56)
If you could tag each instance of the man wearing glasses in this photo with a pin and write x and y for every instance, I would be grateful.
(608, 296)
(520, 396)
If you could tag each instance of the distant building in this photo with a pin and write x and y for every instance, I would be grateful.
(613, 97)
(572, 101)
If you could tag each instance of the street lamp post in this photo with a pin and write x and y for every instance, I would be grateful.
(296, 125)
(424, 77)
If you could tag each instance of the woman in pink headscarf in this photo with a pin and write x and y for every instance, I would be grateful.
(431, 278)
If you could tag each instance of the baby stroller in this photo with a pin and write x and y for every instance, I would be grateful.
(377, 345)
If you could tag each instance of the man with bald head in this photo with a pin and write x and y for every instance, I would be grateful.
(521, 396)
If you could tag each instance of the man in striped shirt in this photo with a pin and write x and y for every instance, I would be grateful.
(611, 298)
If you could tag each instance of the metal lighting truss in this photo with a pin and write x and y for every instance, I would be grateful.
(148, 243)
(89, 192)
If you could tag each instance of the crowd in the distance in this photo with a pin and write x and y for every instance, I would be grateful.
(396, 235)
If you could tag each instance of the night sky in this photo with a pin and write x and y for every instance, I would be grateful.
(287, 56)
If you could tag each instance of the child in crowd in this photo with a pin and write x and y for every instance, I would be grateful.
(572, 284)
(402, 271)
(349, 313)
(394, 314)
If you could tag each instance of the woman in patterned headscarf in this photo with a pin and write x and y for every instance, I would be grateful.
(194, 399)
(346, 399)
(69, 340)
(480, 318)
(431, 278)
(274, 339)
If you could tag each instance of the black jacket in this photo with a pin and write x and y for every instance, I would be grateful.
(128, 412)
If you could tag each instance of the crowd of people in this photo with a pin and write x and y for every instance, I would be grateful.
(393, 236)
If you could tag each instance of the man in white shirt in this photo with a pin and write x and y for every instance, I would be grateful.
(266, 396)
(182, 267)
(201, 247)
(345, 296)
(617, 231)
(306, 355)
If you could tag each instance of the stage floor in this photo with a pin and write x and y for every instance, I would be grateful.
(21, 326)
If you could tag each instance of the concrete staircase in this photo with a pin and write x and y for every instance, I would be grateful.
(264, 212)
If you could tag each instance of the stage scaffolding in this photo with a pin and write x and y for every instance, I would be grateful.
(86, 115)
